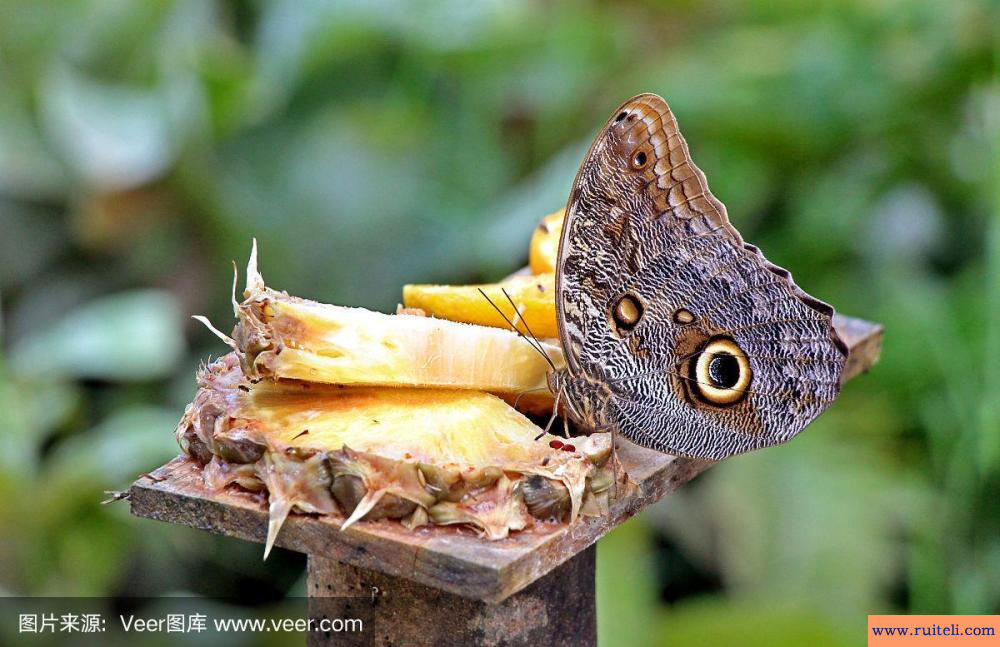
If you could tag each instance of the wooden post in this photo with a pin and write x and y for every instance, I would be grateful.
(557, 609)
(445, 585)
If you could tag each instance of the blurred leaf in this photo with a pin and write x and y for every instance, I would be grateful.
(27, 168)
(30, 242)
(117, 136)
(777, 520)
(130, 442)
(906, 225)
(28, 415)
(128, 336)
(501, 243)
(83, 546)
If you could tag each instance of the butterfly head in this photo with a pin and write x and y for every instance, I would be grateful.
(585, 400)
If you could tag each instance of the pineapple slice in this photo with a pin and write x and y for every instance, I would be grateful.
(280, 336)
(422, 456)
(533, 296)
(545, 243)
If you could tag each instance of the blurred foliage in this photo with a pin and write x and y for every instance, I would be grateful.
(369, 144)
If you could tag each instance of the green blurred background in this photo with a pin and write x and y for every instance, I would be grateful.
(370, 144)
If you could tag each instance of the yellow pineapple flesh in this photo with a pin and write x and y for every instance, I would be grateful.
(532, 294)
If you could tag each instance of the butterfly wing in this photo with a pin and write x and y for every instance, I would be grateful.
(678, 334)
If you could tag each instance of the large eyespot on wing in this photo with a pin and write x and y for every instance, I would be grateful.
(719, 372)
(733, 401)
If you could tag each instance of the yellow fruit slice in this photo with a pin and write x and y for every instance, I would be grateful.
(284, 337)
(533, 296)
(545, 243)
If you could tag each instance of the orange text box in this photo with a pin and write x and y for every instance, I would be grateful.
(918, 631)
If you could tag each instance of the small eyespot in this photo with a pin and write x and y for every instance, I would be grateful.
(621, 115)
(626, 313)
(683, 316)
(639, 160)
(720, 372)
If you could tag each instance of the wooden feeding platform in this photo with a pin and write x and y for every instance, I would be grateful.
(445, 585)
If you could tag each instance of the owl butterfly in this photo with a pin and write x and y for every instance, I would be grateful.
(677, 334)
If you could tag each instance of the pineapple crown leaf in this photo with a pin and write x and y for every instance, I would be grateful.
(218, 333)
(255, 282)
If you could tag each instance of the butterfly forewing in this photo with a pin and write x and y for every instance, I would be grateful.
(687, 339)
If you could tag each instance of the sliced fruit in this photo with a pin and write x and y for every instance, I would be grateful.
(279, 336)
(424, 456)
(545, 243)
(533, 296)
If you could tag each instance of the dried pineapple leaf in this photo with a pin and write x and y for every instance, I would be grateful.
(277, 513)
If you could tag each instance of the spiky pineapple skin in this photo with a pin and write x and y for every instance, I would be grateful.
(421, 456)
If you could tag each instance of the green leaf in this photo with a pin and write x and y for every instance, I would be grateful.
(118, 136)
(126, 336)
(128, 443)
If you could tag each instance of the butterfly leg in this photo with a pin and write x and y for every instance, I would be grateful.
(614, 466)
(552, 418)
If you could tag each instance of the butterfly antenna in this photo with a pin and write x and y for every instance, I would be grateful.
(524, 321)
(503, 316)
(534, 343)
(526, 392)
(530, 337)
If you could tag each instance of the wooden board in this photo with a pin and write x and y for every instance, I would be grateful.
(451, 559)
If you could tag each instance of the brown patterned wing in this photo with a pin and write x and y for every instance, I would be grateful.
(678, 334)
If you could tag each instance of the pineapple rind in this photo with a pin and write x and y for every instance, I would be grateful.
(418, 455)
(494, 512)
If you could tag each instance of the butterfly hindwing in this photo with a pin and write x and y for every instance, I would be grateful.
(688, 339)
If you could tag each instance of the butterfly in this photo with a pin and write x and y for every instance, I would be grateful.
(677, 334)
